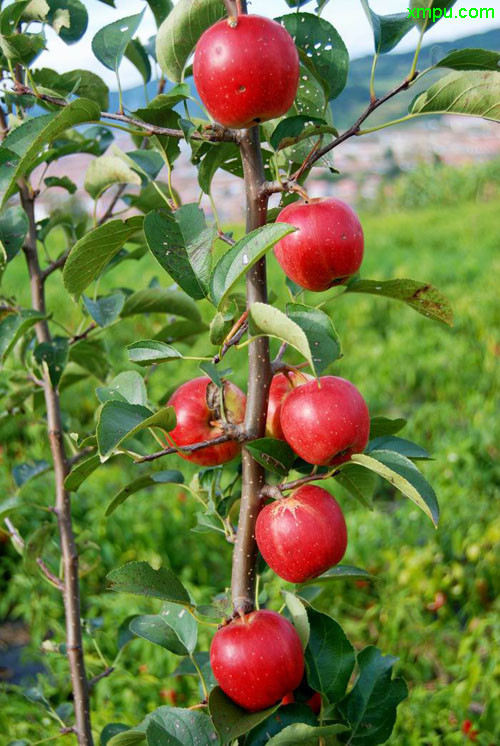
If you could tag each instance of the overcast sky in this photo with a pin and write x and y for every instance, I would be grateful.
(346, 15)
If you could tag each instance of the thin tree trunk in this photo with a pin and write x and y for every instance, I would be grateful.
(71, 591)
(259, 381)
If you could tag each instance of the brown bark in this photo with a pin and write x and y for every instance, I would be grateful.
(71, 588)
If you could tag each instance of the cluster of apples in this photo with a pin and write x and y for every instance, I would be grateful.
(246, 71)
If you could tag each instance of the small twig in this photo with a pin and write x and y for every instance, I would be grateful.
(188, 449)
(214, 133)
(109, 212)
(285, 185)
(15, 536)
(20, 545)
(107, 672)
(79, 456)
(275, 491)
(278, 360)
(84, 334)
(53, 579)
(227, 239)
(234, 336)
(55, 265)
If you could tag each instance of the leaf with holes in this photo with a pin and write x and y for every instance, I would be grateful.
(265, 320)
(474, 94)
(275, 455)
(172, 476)
(180, 31)
(91, 254)
(53, 355)
(182, 244)
(387, 30)
(110, 42)
(69, 19)
(322, 50)
(404, 475)
(120, 420)
(235, 263)
(424, 298)
(140, 579)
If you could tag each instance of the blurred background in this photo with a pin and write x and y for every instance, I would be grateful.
(429, 199)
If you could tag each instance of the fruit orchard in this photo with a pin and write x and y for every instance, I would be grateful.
(255, 97)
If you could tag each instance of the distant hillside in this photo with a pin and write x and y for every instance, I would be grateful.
(391, 70)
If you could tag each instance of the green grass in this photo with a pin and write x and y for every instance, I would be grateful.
(444, 381)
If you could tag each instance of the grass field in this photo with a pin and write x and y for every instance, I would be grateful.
(444, 381)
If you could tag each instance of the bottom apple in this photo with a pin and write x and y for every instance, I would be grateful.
(257, 659)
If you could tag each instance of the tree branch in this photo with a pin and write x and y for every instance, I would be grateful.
(71, 590)
(107, 672)
(213, 132)
(275, 490)
(55, 265)
(188, 449)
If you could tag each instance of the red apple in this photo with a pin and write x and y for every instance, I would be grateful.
(327, 247)
(257, 659)
(326, 421)
(314, 702)
(246, 72)
(302, 536)
(281, 385)
(196, 405)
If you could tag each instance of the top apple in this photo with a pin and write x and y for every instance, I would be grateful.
(247, 72)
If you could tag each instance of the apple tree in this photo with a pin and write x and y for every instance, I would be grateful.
(259, 102)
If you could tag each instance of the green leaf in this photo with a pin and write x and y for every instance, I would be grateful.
(320, 332)
(186, 667)
(151, 352)
(13, 230)
(140, 579)
(182, 244)
(215, 157)
(161, 9)
(90, 255)
(110, 42)
(148, 163)
(471, 59)
(370, 707)
(293, 129)
(387, 30)
(473, 94)
(107, 171)
(275, 455)
(173, 726)
(175, 95)
(358, 482)
(307, 735)
(12, 328)
(69, 19)
(284, 716)
(269, 321)
(329, 657)
(110, 730)
(179, 33)
(161, 300)
(81, 472)
(384, 426)
(146, 480)
(54, 355)
(10, 506)
(429, 12)
(127, 386)
(3, 261)
(323, 51)
(63, 182)
(155, 629)
(29, 138)
(137, 55)
(422, 297)
(92, 356)
(105, 309)
(399, 445)
(183, 623)
(166, 145)
(339, 573)
(22, 48)
(131, 737)
(120, 420)
(25, 472)
(232, 721)
(299, 617)
(87, 85)
(236, 262)
(404, 475)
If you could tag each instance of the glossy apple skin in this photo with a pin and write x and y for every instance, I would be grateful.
(303, 535)
(247, 74)
(327, 247)
(281, 386)
(257, 659)
(194, 417)
(325, 424)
